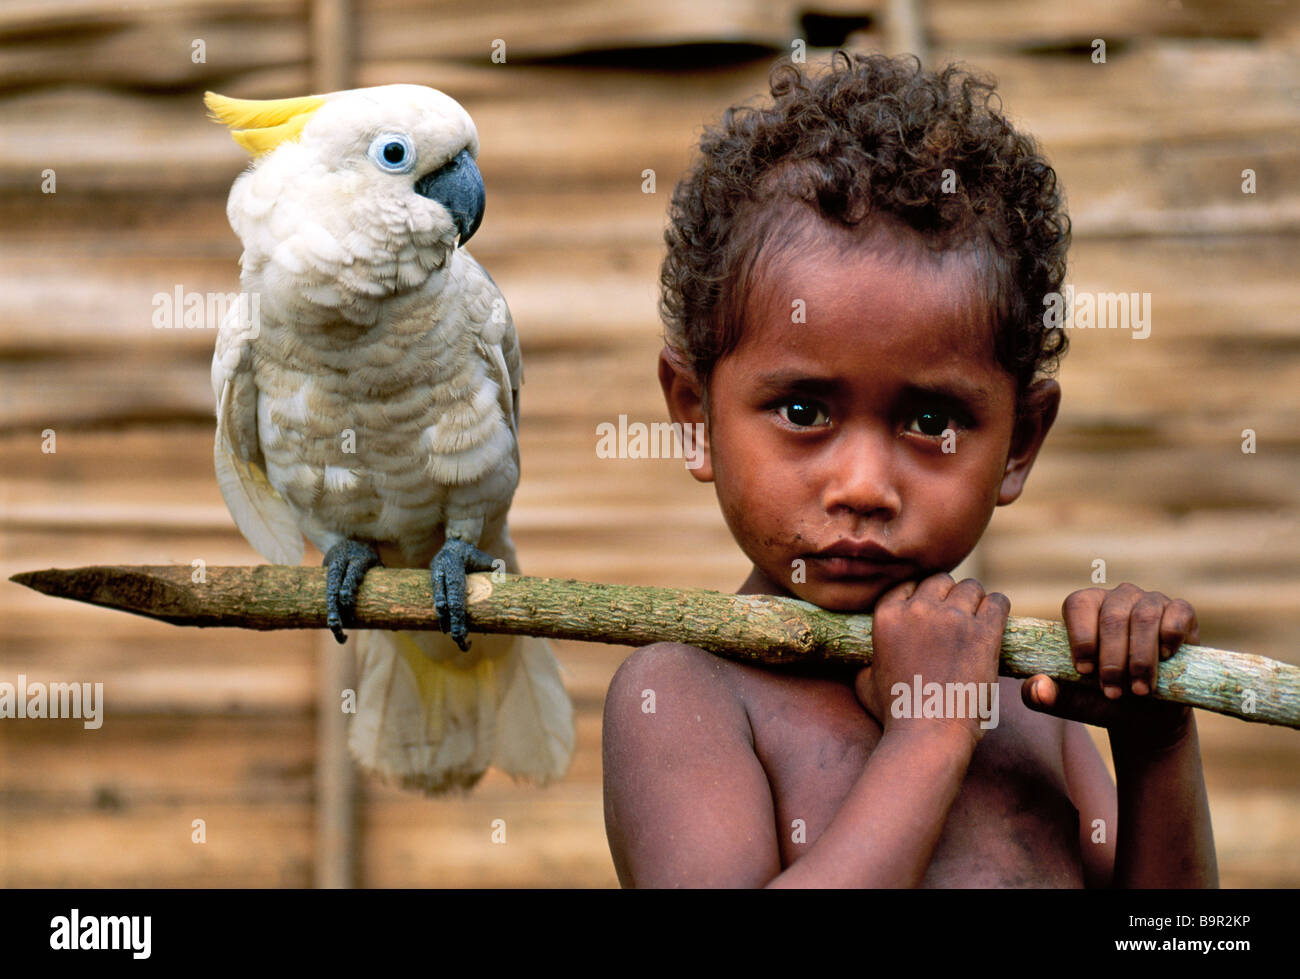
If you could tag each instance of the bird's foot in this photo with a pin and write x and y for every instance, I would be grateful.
(347, 563)
(448, 571)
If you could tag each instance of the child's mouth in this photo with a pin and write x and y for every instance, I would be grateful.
(850, 559)
(840, 567)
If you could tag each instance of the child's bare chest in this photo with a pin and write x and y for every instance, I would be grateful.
(1012, 824)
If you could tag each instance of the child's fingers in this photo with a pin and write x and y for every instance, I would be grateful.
(1177, 625)
(995, 605)
(1080, 611)
(1112, 638)
(897, 595)
(935, 588)
(1144, 641)
(967, 594)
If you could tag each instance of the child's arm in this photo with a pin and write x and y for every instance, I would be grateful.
(1093, 794)
(1163, 837)
(687, 802)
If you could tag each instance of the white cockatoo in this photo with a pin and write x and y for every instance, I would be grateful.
(371, 405)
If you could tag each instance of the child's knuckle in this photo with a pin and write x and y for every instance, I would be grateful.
(1081, 599)
(1113, 620)
(1148, 612)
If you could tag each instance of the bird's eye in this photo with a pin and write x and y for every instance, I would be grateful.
(804, 414)
(392, 153)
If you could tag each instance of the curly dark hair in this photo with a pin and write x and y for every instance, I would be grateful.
(864, 145)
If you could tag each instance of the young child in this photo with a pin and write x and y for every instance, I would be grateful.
(854, 292)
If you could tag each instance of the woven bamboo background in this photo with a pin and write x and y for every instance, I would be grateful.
(1144, 470)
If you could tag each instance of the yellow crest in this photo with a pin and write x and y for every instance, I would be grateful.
(260, 125)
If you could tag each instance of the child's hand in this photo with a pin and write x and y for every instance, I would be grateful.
(943, 631)
(1120, 636)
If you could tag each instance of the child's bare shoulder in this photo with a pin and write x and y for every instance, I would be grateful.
(682, 679)
(671, 659)
(677, 707)
(674, 681)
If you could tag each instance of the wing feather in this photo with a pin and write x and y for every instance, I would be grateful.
(260, 513)
(498, 342)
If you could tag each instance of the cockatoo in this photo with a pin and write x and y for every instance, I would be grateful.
(372, 406)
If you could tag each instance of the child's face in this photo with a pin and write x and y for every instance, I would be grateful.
(826, 439)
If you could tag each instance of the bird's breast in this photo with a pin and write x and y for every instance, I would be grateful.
(381, 448)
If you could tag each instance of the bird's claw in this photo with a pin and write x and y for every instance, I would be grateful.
(448, 571)
(347, 563)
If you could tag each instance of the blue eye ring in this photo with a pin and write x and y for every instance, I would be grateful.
(392, 153)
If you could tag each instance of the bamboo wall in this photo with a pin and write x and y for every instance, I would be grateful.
(1144, 469)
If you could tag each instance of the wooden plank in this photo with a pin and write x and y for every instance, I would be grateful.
(1029, 25)
(1207, 97)
(39, 17)
(138, 47)
(115, 807)
(1020, 22)
(120, 43)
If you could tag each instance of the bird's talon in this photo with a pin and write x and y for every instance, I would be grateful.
(347, 563)
(449, 568)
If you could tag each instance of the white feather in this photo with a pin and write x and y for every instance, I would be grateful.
(435, 718)
(260, 513)
(535, 736)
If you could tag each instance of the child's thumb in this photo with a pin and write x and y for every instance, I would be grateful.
(1158, 722)
(1043, 694)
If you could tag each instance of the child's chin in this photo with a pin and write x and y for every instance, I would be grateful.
(845, 596)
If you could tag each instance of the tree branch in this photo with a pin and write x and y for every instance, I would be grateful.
(760, 629)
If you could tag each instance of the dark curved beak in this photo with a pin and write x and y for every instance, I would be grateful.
(457, 186)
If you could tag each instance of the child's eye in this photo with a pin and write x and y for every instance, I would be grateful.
(933, 422)
(804, 414)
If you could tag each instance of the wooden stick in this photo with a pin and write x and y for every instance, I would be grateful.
(760, 629)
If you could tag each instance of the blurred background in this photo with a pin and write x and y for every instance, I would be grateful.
(1145, 469)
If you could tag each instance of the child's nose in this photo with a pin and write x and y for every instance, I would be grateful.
(862, 478)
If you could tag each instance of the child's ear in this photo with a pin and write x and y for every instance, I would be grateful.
(1041, 402)
(686, 407)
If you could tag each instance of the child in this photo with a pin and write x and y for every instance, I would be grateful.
(853, 290)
